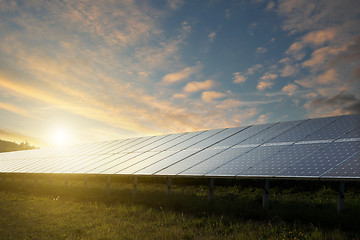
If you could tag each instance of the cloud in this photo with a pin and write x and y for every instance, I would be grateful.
(342, 103)
(268, 77)
(254, 69)
(15, 109)
(180, 75)
(270, 6)
(238, 78)
(261, 50)
(208, 96)
(227, 13)
(211, 36)
(289, 89)
(263, 118)
(266, 81)
(175, 4)
(192, 87)
(262, 85)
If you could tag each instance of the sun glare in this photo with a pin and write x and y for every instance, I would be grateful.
(60, 137)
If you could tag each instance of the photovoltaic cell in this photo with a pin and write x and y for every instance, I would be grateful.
(302, 130)
(335, 129)
(213, 162)
(270, 133)
(189, 162)
(245, 161)
(279, 161)
(139, 163)
(195, 140)
(157, 166)
(183, 138)
(319, 162)
(203, 144)
(348, 169)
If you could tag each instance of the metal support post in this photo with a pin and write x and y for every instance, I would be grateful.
(340, 204)
(85, 180)
(211, 189)
(108, 186)
(169, 186)
(266, 195)
(135, 187)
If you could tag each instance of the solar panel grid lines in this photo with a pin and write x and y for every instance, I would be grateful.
(195, 149)
(185, 163)
(114, 169)
(203, 167)
(168, 138)
(88, 159)
(349, 168)
(200, 140)
(39, 159)
(257, 153)
(337, 127)
(107, 166)
(142, 144)
(312, 125)
(349, 159)
(285, 172)
(102, 161)
(52, 163)
(183, 138)
(319, 162)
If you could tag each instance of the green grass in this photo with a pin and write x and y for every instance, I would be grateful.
(49, 210)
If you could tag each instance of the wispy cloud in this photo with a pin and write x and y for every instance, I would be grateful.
(199, 86)
(238, 78)
(180, 75)
(208, 96)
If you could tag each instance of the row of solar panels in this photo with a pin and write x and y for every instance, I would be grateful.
(312, 148)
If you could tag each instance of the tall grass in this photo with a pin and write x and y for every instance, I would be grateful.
(49, 210)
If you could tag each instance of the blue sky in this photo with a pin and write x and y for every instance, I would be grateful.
(89, 71)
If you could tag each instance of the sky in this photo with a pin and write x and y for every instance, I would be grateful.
(87, 70)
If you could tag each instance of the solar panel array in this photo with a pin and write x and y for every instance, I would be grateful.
(326, 148)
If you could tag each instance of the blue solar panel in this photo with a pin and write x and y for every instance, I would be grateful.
(189, 162)
(348, 169)
(271, 132)
(245, 161)
(319, 162)
(215, 161)
(303, 129)
(336, 128)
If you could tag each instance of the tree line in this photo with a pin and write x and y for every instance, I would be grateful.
(7, 146)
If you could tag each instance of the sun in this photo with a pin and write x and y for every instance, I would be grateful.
(60, 136)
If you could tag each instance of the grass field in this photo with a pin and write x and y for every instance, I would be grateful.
(297, 210)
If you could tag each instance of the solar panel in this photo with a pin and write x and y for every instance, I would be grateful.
(327, 148)
(335, 129)
(280, 160)
(188, 162)
(215, 161)
(350, 168)
(244, 161)
(322, 160)
(218, 136)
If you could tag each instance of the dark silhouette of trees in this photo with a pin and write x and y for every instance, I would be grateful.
(6, 146)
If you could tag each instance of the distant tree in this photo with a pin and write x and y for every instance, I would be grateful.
(6, 146)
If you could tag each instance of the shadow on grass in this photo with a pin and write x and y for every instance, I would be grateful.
(289, 204)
